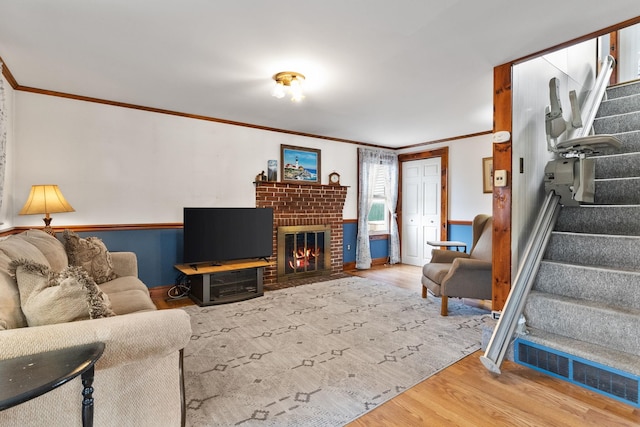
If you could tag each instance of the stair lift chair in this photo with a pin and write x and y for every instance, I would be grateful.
(572, 173)
(458, 274)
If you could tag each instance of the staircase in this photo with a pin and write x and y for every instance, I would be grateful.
(583, 312)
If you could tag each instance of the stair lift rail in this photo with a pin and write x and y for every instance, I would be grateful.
(525, 277)
(595, 97)
(579, 143)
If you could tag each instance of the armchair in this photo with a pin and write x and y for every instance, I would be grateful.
(462, 275)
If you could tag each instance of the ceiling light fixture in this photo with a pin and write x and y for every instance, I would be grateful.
(293, 81)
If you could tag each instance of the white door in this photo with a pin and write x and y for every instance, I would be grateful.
(420, 209)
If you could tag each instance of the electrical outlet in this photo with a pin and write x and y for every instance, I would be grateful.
(348, 247)
(500, 178)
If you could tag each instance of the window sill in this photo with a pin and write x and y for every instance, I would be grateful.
(379, 236)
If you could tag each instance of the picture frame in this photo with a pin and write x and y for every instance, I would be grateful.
(299, 164)
(487, 175)
(272, 170)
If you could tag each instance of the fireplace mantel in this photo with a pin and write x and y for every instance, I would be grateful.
(303, 204)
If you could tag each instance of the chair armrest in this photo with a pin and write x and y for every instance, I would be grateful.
(128, 338)
(125, 263)
(445, 256)
(468, 278)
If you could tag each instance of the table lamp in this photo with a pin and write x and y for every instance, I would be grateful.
(46, 199)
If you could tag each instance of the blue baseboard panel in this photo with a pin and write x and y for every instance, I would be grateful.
(602, 379)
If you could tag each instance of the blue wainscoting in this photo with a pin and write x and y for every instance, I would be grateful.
(158, 250)
(379, 247)
(349, 233)
(461, 233)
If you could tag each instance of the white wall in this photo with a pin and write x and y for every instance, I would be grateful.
(6, 210)
(466, 198)
(125, 166)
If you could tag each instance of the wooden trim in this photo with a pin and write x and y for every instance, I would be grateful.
(186, 115)
(577, 40)
(350, 221)
(7, 74)
(443, 153)
(454, 138)
(614, 42)
(460, 222)
(502, 154)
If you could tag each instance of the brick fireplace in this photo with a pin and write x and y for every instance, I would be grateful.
(303, 205)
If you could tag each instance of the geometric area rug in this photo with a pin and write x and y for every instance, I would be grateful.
(321, 354)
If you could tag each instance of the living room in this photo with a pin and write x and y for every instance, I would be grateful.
(129, 167)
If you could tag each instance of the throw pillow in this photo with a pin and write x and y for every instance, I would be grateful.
(48, 298)
(90, 254)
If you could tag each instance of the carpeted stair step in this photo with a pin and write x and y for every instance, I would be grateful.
(630, 143)
(583, 320)
(617, 124)
(609, 286)
(620, 360)
(625, 165)
(603, 250)
(622, 220)
(617, 191)
(620, 105)
(623, 90)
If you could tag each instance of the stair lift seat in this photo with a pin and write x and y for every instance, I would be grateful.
(458, 274)
(572, 174)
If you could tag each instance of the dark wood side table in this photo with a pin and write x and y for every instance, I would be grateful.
(27, 377)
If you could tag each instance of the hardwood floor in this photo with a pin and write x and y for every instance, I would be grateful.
(466, 394)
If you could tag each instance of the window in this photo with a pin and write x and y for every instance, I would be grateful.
(378, 218)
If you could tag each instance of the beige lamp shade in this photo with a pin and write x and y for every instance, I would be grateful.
(46, 199)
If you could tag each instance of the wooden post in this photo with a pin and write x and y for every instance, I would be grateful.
(502, 153)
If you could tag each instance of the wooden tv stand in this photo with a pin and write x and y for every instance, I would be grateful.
(227, 282)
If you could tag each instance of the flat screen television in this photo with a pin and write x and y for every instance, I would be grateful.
(212, 235)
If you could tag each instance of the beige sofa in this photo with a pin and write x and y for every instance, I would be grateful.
(138, 379)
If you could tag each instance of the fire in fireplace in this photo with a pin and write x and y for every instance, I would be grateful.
(304, 250)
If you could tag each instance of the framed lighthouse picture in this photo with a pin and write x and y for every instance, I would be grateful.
(298, 164)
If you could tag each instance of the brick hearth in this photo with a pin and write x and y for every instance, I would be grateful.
(303, 204)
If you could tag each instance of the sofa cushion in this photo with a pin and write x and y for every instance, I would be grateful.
(51, 248)
(436, 271)
(131, 301)
(90, 254)
(10, 311)
(125, 283)
(16, 248)
(48, 298)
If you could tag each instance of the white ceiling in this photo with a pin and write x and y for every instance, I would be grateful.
(389, 73)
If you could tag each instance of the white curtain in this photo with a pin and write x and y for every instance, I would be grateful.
(391, 195)
(3, 135)
(367, 160)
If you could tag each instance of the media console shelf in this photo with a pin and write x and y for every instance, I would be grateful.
(226, 282)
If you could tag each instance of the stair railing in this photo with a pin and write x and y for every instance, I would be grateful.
(525, 277)
(501, 337)
(595, 97)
